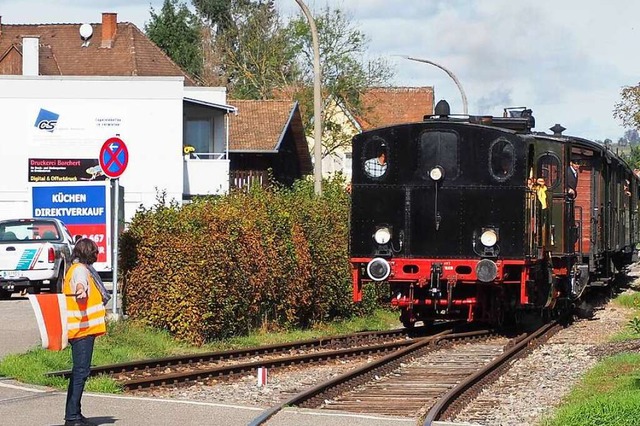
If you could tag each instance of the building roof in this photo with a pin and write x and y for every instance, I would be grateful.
(61, 52)
(260, 126)
(384, 106)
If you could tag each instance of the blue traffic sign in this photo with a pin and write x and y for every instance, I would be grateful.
(114, 157)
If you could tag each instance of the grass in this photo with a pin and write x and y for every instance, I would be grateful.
(609, 394)
(129, 341)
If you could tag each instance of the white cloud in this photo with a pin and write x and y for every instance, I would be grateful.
(567, 60)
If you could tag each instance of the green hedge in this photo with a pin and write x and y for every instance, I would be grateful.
(223, 266)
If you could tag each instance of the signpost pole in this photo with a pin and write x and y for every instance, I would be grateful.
(114, 157)
(114, 254)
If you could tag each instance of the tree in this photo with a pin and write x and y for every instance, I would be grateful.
(628, 109)
(346, 74)
(633, 157)
(631, 135)
(257, 55)
(245, 48)
(177, 32)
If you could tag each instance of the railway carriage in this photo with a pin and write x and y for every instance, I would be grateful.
(470, 217)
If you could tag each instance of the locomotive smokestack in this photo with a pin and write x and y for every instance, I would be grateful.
(442, 108)
(557, 129)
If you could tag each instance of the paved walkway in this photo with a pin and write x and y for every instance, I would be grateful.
(26, 405)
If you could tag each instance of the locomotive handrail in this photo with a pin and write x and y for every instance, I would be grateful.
(579, 223)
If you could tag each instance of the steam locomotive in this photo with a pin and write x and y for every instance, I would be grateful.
(480, 218)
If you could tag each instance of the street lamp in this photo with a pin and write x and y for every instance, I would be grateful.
(317, 100)
(449, 73)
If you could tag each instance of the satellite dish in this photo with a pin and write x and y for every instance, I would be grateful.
(86, 31)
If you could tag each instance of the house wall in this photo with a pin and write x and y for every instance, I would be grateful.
(145, 112)
(339, 159)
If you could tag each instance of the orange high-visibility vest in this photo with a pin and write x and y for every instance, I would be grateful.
(87, 317)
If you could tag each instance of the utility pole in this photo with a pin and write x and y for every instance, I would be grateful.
(317, 100)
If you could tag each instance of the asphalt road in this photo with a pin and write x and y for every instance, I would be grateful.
(18, 327)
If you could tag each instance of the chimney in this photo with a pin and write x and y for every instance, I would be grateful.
(0, 25)
(30, 55)
(109, 27)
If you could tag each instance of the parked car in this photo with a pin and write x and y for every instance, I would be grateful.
(34, 255)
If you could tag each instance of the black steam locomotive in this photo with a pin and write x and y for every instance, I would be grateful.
(482, 219)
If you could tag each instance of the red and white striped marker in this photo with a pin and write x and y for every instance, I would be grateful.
(51, 315)
(262, 376)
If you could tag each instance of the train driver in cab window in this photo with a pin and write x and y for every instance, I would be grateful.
(377, 166)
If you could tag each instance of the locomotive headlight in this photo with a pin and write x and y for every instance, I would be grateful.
(382, 235)
(378, 269)
(489, 238)
(436, 173)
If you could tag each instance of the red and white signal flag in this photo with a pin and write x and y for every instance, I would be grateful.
(262, 376)
(51, 316)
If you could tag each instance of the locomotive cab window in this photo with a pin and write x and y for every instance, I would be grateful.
(376, 161)
(438, 150)
(549, 169)
(501, 159)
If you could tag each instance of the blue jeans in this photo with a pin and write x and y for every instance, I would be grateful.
(81, 352)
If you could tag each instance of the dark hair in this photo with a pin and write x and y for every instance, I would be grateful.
(86, 251)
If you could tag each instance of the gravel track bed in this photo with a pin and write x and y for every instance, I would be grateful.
(282, 383)
(536, 384)
(530, 389)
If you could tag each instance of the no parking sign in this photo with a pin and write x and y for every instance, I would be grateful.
(114, 157)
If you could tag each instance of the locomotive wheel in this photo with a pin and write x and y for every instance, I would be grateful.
(407, 319)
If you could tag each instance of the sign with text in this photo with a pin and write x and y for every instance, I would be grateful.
(82, 208)
(64, 170)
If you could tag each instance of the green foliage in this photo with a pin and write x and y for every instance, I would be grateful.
(256, 52)
(634, 325)
(177, 32)
(346, 70)
(628, 109)
(609, 395)
(223, 266)
(633, 157)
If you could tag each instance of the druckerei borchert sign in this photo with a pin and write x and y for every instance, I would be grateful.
(64, 170)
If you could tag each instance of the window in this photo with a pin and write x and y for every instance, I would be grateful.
(438, 148)
(376, 159)
(501, 159)
(28, 230)
(549, 169)
(199, 134)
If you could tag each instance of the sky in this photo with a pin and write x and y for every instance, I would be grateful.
(567, 60)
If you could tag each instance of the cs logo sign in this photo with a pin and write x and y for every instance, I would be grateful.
(46, 120)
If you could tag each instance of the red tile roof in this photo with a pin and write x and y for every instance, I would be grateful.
(61, 52)
(384, 106)
(260, 125)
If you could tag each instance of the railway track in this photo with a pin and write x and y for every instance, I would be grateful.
(426, 379)
(223, 364)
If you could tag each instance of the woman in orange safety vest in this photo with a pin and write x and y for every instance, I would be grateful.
(85, 319)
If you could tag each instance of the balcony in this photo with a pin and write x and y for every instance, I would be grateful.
(205, 174)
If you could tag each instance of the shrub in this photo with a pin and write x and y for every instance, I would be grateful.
(222, 266)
